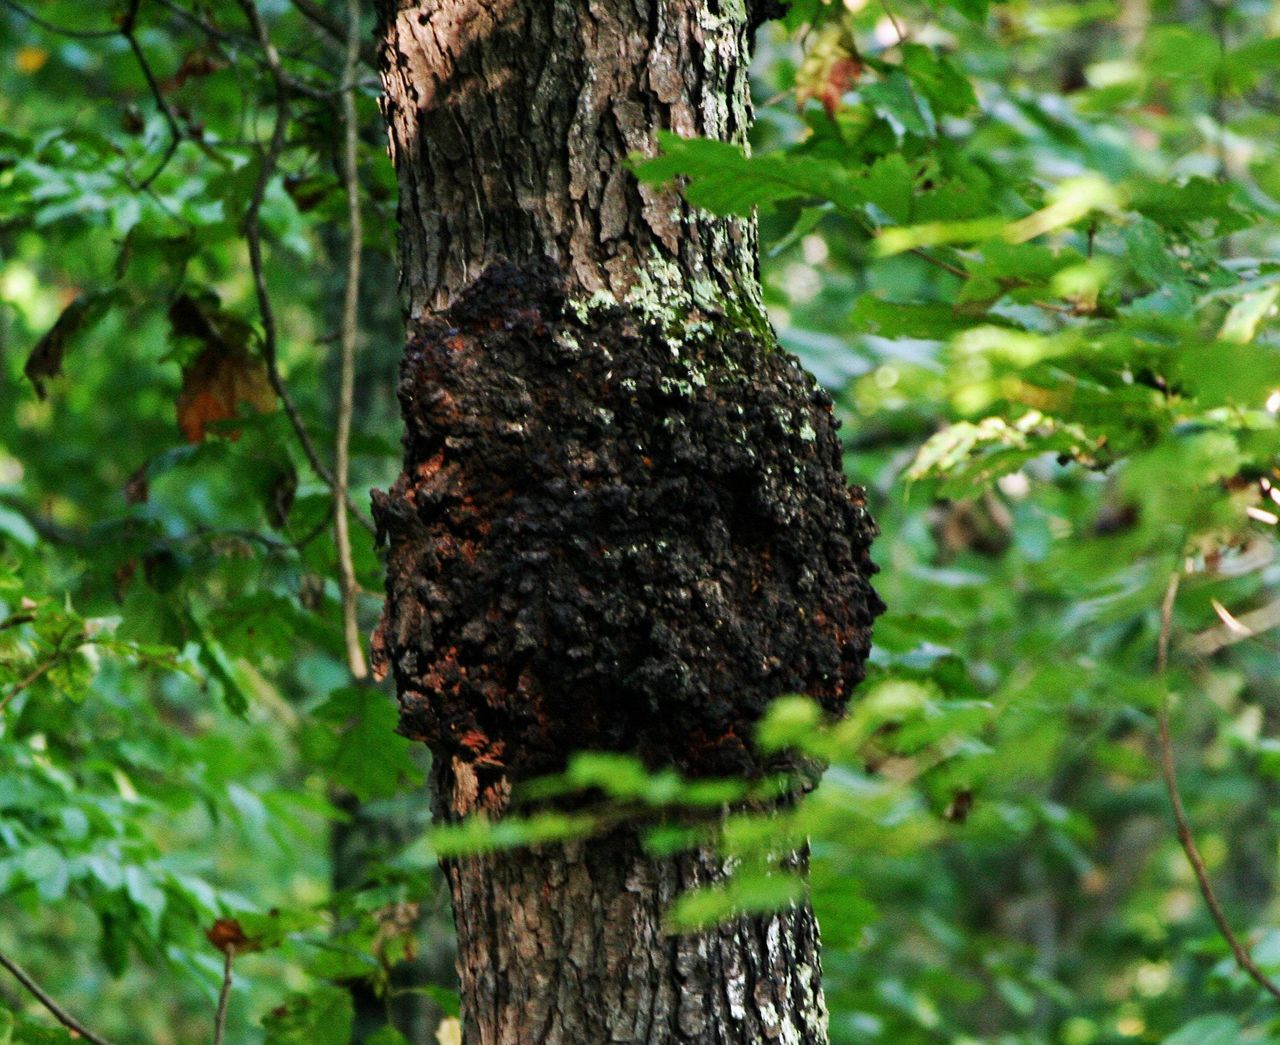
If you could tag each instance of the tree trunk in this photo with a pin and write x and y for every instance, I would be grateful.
(622, 522)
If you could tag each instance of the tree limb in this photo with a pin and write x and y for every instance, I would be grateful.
(1185, 837)
(228, 39)
(170, 117)
(350, 330)
(316, 14)
(224, 996)
(58, 1012)
(75, 34)
(253, 236)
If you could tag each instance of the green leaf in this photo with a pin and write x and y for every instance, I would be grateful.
(478, 835)
(449, 1002)
(1247, 314)
(895, 97)
(889, 185)
(722, 179)
(974, 10)
(1178, 206)
(352, 735)
(45, 867)
(1217, 1029)
(324, 1017)
(387, 1035)
(790, 722)
(1227, 373)
(1180, 52)
(948, 90)
(745, 893)
(220, 667)
(933, 320)
(15, 528)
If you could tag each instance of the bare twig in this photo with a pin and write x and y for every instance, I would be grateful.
(228, 39)
(75, 34)
(45, 666)
(937, 262)
(339, 35)
(253, 236)
(59, 1013)
(37, 673)
(224, 995)
(350, 330)
(127, 27)
(893, 20)
(1185, 837)
(316, 14)
(1248, 625)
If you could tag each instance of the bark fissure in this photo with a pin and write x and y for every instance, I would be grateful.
(643, 985)
(622, 522)
(511, 122)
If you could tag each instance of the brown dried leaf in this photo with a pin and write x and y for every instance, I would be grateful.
(960, 806)
(214, 385)
(830, 68)
(226, 934)
(197, 63)
(46, 358)
(137, 488)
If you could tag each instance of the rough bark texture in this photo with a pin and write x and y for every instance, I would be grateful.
(622, 522)
(592, 965)
(510, 124)
(599, 544)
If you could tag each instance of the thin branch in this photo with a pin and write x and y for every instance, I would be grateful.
(75, 34)
(339, 35)
(224, 995)
(937, 262)
(253, 235)
(34, 676)
(45, 527)
(222, 36)
(350, 331)
(317, 15)
(170, 117)
(893, 19)
(58, 1012)
(1249, 625)
(1185, 837)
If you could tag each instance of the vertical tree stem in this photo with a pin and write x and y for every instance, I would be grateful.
(350, 330)
(1183, 824)
(253, 237)
(224, 995)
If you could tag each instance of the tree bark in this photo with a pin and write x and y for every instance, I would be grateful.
(622, 522)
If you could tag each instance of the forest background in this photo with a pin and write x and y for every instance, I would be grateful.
(1030, 248)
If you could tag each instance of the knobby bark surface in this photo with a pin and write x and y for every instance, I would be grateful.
(622, 522)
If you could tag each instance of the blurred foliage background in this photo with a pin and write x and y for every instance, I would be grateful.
(1031, 248)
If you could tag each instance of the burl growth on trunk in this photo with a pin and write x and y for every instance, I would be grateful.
(610, 536)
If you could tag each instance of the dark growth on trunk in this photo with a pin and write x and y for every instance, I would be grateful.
(607, 539)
